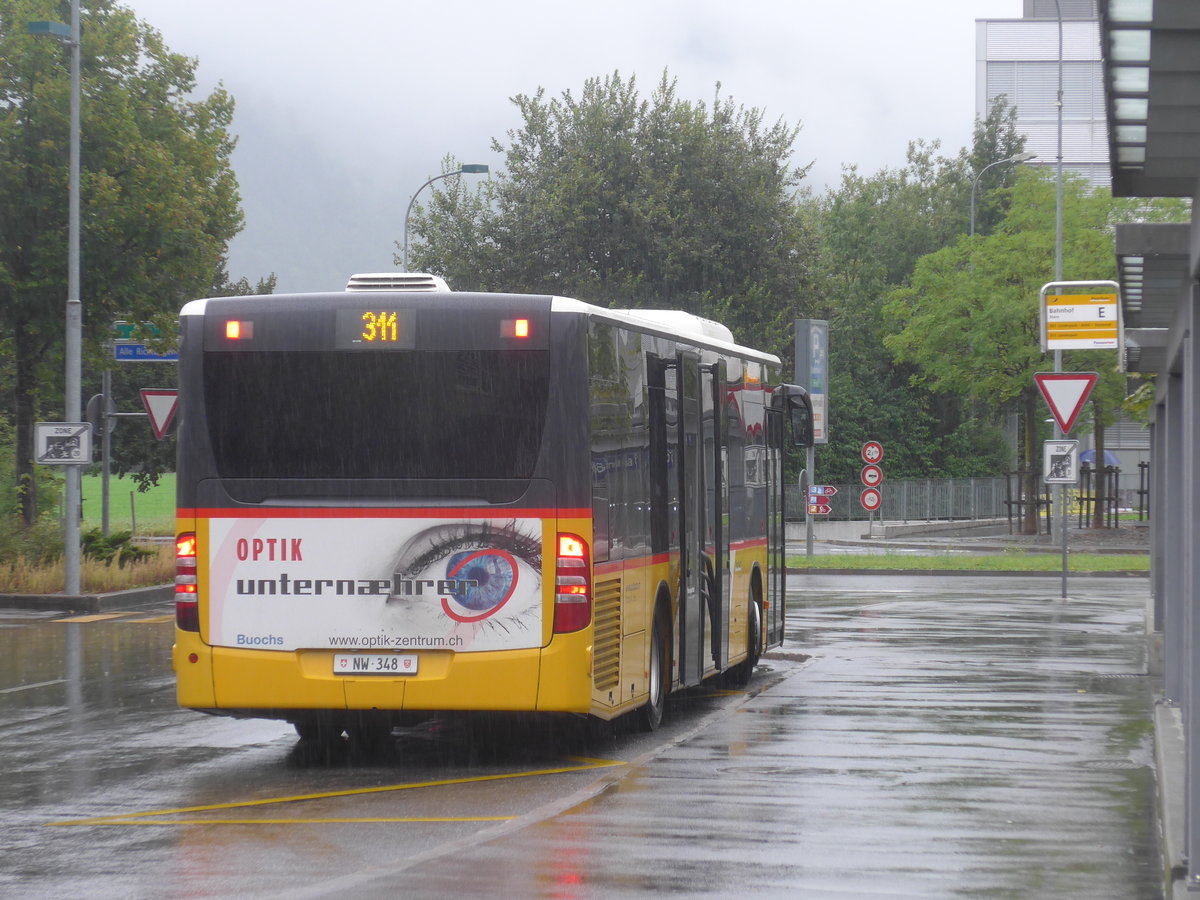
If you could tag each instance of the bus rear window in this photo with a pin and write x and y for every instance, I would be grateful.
(337, 414)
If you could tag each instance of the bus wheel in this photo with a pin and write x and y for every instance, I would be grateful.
(742, 672)
(650, 716)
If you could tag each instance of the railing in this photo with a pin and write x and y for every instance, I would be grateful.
(966, 499)
(914, 499)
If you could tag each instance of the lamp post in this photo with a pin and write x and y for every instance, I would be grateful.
(1017, 158)
(1058, 275)
(468, 169)
(74, 323)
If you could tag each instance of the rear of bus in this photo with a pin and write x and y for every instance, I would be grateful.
(376, 508)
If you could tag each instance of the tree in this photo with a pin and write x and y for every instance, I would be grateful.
(633, 202)
(135, 450)
(872, 231)
(968, 322)
(159, 198)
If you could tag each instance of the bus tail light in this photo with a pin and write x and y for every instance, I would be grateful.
(572, 584)
(187, 609)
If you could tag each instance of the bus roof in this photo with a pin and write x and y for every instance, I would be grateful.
(675, 324)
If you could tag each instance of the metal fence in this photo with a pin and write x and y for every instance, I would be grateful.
(915, 499)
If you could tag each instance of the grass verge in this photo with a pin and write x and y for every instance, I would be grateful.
(95, 577)
(1012, 561)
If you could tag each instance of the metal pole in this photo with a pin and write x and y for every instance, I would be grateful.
(1016, 158)
(413, 200)
(810, 463)
(468, 169)
(74, 325)
(1058, 276)
(105, 447)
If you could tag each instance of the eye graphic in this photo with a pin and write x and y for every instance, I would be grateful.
(474, 573)
(484, 582)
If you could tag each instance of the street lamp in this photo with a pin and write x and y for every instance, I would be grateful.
(468, 169)
(74, 325)
(1018, 158)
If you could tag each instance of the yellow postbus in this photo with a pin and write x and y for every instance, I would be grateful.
(401, 498)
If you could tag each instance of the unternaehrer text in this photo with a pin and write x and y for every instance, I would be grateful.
(287, 586)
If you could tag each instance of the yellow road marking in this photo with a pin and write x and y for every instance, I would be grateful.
(153, 620)
(96, 617)
(115, 820)
(129, 818)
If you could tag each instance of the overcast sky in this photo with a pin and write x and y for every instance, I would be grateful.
(345, 108)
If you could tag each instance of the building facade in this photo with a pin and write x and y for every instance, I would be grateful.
(1019, 58)
(1152, 90)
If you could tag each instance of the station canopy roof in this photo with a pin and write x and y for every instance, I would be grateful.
(1151, 51)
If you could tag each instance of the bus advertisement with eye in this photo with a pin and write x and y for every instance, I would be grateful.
(378, 582)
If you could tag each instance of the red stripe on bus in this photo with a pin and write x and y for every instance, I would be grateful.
(614, 566)
(746, 545)
(358, 512)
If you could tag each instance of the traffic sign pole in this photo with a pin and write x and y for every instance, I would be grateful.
(811, 462)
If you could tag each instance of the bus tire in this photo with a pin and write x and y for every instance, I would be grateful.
(651, 714)
(743, 671)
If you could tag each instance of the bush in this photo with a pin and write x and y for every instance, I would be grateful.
(40, 544)
(117, 546)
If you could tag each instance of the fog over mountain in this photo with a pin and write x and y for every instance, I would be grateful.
(308, 206)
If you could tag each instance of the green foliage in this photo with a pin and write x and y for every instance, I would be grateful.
(968, 321)
(39, 543)
(872, 232)
(136, 452)
(157, 188)
(48, 480)
(633, 202)
(116, 547)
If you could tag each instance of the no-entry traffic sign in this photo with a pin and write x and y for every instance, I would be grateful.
(871, 476)
(870, 499)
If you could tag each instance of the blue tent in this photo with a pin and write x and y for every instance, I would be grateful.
(1089, 457)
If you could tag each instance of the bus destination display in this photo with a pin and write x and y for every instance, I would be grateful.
(374, 329)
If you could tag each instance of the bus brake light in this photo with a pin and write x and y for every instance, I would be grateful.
(572, 585)
(515, 328)
(187, 610)
(237, 330)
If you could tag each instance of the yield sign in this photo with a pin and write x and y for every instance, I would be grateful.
(1065, 394)
(160, 403)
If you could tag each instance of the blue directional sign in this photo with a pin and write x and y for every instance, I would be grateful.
(139, 353)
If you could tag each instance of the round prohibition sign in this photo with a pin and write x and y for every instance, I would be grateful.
(870, 499)
(871, 476)
(872, 452)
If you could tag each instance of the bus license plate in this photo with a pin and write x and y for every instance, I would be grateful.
(374, 664)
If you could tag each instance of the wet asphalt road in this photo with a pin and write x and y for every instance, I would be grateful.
(949, 737)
